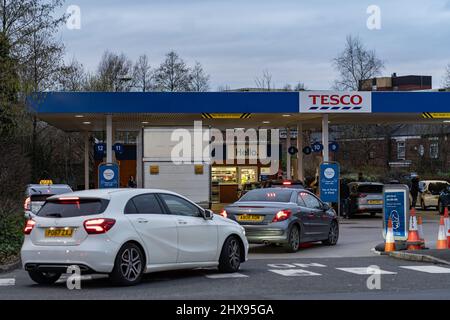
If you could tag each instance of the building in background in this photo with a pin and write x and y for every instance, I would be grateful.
(397, 83)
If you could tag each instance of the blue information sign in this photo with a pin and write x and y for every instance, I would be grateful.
(108, 175)
(119, 148)
(329, 182)
(395, 206)
(317, 147)
(100, 149)
(333, 147)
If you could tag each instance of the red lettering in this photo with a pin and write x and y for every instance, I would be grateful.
(356, 99)
(334, 100)
(314, 97)
(324, 100)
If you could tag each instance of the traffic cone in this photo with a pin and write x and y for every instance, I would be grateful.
(442, 242)
(413, 241)
(389, 245)
(447, 225)
(420, 231)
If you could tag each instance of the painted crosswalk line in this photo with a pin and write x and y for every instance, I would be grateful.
(366, 271)
(7, 282)
(295, 272)
(295, 265)
(226, 275)
(427, 269)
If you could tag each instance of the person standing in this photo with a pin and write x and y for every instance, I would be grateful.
(131, 182)
(414, 190)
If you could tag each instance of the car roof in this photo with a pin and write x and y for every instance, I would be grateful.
(107, 193)
(367, 183)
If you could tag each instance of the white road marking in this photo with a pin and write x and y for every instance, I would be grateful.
(226, 275)
(64, 278)
(295, 273)
(7, 282)
(366, 271)
(295, 265)
(428, 269)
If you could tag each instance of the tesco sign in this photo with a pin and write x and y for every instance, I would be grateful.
(335, 102)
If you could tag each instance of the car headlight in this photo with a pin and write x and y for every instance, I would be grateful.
(243, 230)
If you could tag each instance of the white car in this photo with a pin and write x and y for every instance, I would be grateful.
(429, 191)
(128, 232)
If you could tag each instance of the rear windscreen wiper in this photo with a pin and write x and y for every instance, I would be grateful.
(58, 215)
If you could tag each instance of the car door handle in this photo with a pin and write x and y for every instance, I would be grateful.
(141, 220)
(182, 222)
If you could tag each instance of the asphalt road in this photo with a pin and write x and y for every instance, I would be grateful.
(315, 272)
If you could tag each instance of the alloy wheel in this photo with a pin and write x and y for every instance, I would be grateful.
(234, 254)
(131, 264)
(294, 238)
(333, 233)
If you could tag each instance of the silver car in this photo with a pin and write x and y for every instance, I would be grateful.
(287, 217)
(365, 197)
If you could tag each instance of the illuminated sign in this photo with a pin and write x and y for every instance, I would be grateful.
(226, 115)
(335, 102)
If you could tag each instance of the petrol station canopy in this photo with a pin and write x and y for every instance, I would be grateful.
(85, 111)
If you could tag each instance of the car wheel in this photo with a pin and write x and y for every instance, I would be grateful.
(293, 239)
(44, 277)
(230, 256)
(128, 266)
(333, 234)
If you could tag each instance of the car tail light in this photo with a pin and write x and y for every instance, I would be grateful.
(287, 183)
(27, 204)
(97, 226)
(29, 226)
(282, 215)
(224, 213)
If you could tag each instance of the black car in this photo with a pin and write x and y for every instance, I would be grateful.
(444, 200)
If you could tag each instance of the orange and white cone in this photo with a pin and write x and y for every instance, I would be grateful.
(413, 241)
(420, 231)
(442, 242)
(389, 244)
(447, 225)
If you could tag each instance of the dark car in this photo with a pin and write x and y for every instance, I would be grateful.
(444, 200)
(286, 216)
(364, 197)
(36, 194)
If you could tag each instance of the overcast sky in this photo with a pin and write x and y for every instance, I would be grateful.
(236, 39)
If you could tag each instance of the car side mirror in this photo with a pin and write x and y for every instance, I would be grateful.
(208, 214)
(325, 207)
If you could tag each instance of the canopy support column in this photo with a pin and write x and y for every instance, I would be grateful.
(288, 156)
(300, 172)
(325, 138)
(139, 159)
(86, 160)
(109, 138)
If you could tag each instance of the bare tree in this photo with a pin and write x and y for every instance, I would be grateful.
(72, 77)
(446, 80)
(265, 81)
(173, 74)
(356, 63)
(299, 86)
(142, 74)
(199, 78)
(113, 73)
(224, 88)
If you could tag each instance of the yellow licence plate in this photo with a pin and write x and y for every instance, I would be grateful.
(375, 201)
(58, 232)
(250, 217)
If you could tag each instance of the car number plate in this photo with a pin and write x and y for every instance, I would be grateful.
(250, 217)
(58, 232)
(375, 201)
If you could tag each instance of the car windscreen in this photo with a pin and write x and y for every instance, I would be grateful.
(268, 195)
(72, 208)
(369, 188)
(436, 187)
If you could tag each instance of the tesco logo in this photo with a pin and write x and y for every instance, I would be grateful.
(334, 100)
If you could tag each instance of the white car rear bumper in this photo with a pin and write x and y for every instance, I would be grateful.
(93, 253)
